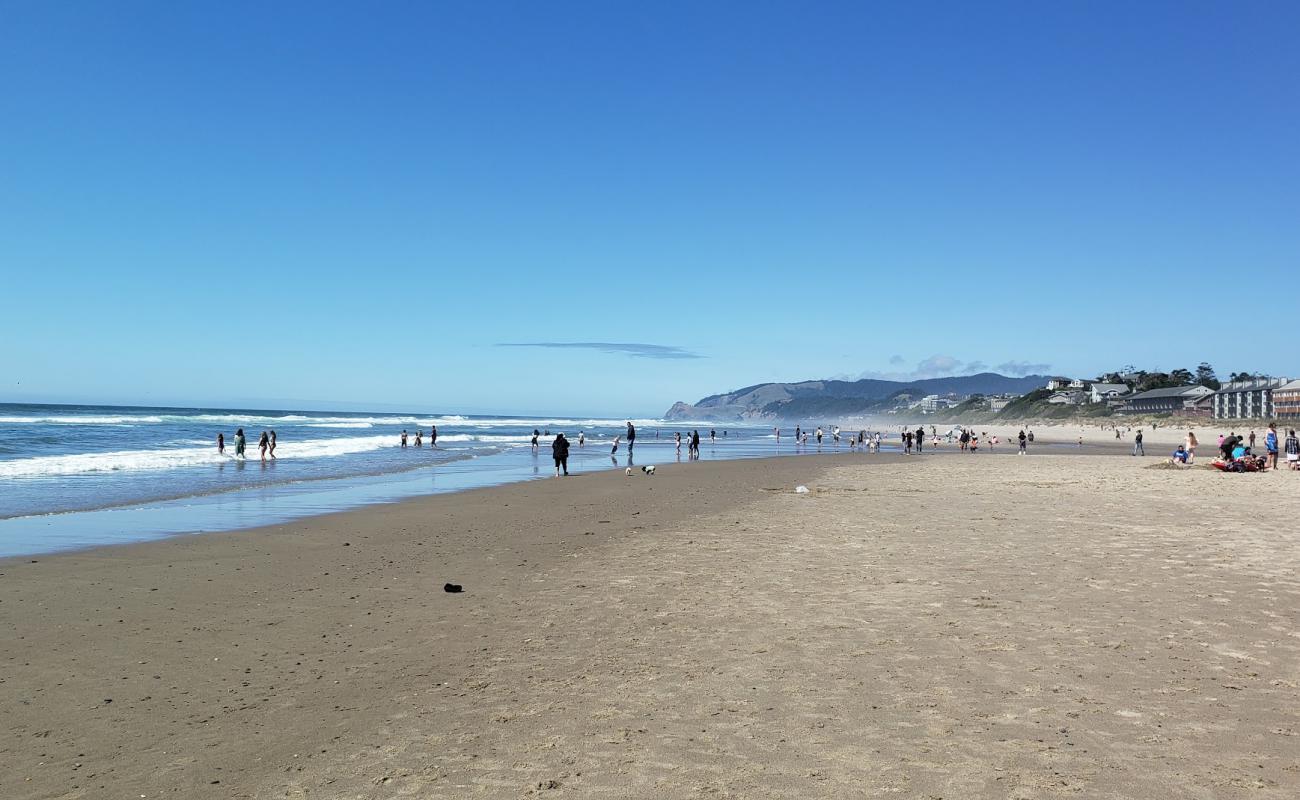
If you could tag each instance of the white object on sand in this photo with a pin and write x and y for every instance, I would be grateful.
(801, 490)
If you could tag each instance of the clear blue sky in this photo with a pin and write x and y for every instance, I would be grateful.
(212, 203)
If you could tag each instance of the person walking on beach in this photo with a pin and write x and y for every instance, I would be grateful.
(1292, 450)
(1252, 441)
(1190, 446)
(907, 443)
(221, 444)
(1138, 449)
(582, 439)
(677, 440)
(262, 442)
(239, 443)
(963, 441)
(695, 443)
(271, 447)
(631, 437)
(1270, 445)
(560, 452)
(819, 436)
(433, 435)
(403, 437)
(1021, 438)
(920, 438)
(536, 433)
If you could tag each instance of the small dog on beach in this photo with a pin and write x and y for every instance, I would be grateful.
(628, 472)
(648, 469)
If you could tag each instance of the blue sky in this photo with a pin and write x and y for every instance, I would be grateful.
(208, 203)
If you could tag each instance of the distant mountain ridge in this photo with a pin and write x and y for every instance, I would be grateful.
(808, 399)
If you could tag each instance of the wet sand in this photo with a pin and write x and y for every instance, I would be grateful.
(964, 626)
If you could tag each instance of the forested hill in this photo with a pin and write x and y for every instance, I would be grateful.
(808, 399)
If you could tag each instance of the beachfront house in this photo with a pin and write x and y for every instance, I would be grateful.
(1058, 384)
(933, 402)
(999, 402)
(1180, 400)
(1286, 400)
(1252, 399)
(1073, 398)
(1105, 392)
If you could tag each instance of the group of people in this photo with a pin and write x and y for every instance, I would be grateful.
(692, 444)
(265, 443)
(419, 437)
(1234, 448)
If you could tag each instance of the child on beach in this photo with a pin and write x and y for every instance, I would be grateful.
(221, 444)
(1292, 450)
(677, 439)
(614, 449)
(419, 442)
(403, 438)
(272, 445)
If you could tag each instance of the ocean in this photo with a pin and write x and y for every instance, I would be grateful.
(79, 476)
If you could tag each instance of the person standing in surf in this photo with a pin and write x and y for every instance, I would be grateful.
(221, 444)
(271, 447)
(560, 452)
(263, 442)
(433, 435)
(239, 443)
(631, 437)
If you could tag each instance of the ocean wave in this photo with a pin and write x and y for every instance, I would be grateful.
(81, 420)
(339, 425)
(174, 458)
(302, 420)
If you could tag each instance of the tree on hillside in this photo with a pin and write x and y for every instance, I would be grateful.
(1241, 376)
(1180, 377)
(1205, 377)
(1154, 380)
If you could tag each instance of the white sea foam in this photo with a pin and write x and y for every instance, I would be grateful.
(137, 419)
(339, 425)
(146, 460)
(270, 420)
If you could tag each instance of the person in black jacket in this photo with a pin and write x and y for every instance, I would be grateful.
(560, 452)
(631, 438)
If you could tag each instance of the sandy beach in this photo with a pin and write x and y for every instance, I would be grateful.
(942, 626)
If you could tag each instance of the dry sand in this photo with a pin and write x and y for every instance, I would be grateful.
(944, 626)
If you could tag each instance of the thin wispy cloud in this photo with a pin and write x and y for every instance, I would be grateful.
(940, 366)
(633, 349)
(1020, 368)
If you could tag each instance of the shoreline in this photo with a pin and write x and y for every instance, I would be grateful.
(126, 655)
(251, 507)
(1018, 627)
